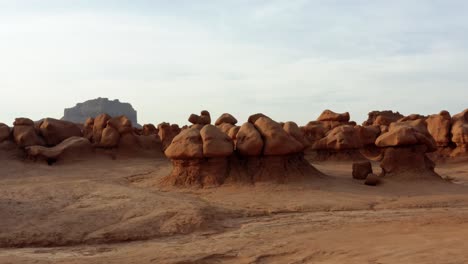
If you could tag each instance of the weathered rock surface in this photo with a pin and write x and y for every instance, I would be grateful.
(226, 118)
(71, 148)
(215, 143)
(4, 132)
(25, 133)
(329, 115)
(55, 131)
(361, 170)
(249, 142)
(378, 118)
(276, 140)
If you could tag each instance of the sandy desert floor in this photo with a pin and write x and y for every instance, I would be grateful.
(112, 211)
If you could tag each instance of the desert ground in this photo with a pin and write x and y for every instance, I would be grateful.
(112, 210)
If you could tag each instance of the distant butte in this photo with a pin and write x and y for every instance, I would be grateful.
(95, 107)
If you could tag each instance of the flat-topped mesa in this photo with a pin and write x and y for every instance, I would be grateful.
(95, 107)
(459, 133)
(404, 149)
(199, 157)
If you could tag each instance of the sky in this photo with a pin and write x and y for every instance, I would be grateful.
(288, 59)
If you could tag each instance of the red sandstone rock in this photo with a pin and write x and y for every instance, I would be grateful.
(4, 132)
(110, 137)
(329, 115)
(226, 118)
(70, 148)
(254, 117)
(276, 140)
(88, 128)
(24, 133)
(249, 142)
(121, 123)
(372, 179)
(340, 138)
(149, 129)
(406, 134)
(368, 134)
(215, 143)
(55, 131)
(439, 127)
(361, 170)
(187, 145)
(378, 118)
(203, 119)
(100, 122)
(293, 130)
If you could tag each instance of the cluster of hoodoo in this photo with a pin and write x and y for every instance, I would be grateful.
(259, 150)
(404, 149)
(334, 137)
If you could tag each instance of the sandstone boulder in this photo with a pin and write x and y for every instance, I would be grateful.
(276, 140)
(121, 123)
(329, 115)
(149, 129)
(70, 148)
(24, 133)
(378, 118)
(55, 131)
(368, 134)
(293, 130)
(226, 118)
(406, 134)
(100, 122)
(88, 128)
(372, 179)
(4, 132)
(340, 138)
(110, 138)
(249, 141)
(215, 143)
(186, 145)
(203, 119)
(439, 127)
(361, 170)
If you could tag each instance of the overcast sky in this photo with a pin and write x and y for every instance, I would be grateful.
(289, 59)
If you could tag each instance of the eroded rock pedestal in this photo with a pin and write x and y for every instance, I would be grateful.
(262, 150)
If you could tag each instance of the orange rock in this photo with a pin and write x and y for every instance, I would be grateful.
(100, 122)
(186, 145)
(276, 140)
(88, 128)
(293, 130)
(24, 133)
(226, 118)
(439, 127)
(121, 123)
(368, 134)
(70, 148)
(215, 143)
(329, 115)
(340, 138)
(55, 131)
(149, 129)
(110, 137)
(249, 142)
(4, 132)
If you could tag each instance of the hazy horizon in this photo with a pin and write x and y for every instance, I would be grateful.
(288, 59)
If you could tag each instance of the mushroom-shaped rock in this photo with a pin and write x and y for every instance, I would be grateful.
(215, 143)
(25, 134)
(70, 148)
(55, 131)
(340, 138)
(4, 132)
(186, 145)
(249, 142)
(329, 115)
(110, 137)
(276, 140)
(100, 122)
(226, 118)
(406, 134)
(439, 128)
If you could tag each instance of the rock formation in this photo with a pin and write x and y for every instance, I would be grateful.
(71, 148)
(55, 131)
(203, 119)
(385, 118)
(96, 107)
(25, 133)
(460, 132)
(404, 151)
(226, 118)
(263, 151)
(4, 132)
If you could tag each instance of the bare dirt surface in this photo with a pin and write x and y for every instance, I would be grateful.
(114, 211)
